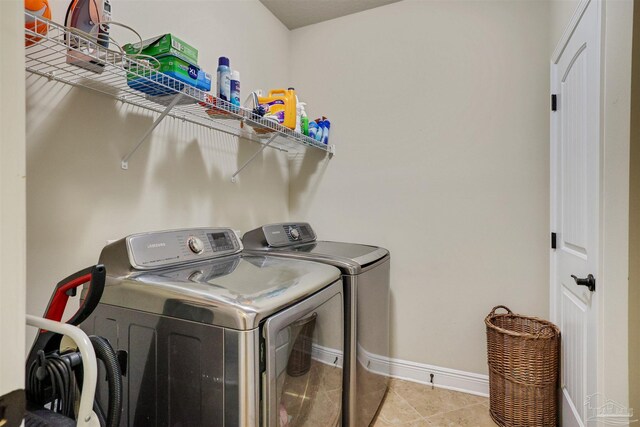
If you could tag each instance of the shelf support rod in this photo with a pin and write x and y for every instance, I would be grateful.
(265, 145)
(125, 161)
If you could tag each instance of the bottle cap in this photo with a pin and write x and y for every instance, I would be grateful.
(235, 75)
(223, 60)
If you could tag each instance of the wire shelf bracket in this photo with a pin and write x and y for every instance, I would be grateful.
(233, 177)
(173, 103)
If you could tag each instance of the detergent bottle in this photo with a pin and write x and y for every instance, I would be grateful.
(281, 104)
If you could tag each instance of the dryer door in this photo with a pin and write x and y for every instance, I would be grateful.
(302, 383)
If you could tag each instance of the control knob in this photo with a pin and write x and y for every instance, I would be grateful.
(295, 234)
(195, 245)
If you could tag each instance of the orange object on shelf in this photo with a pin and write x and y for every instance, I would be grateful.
(218, 113)
(41, 9)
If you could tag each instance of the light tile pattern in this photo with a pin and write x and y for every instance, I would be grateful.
(410, 404)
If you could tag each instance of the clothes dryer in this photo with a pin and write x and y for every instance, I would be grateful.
(210, 336)
(365, 273)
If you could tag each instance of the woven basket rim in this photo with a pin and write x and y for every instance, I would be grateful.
(547, 325)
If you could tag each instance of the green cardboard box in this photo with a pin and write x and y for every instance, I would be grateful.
(165, 45)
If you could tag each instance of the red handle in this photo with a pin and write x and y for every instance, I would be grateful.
(95, 276)
(60, 298)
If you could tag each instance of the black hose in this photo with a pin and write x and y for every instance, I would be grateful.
(105, 352)
(51, 380)
(98, 411)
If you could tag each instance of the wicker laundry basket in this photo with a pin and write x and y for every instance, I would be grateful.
(524, 362)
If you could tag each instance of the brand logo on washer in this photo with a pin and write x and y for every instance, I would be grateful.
(156, 245)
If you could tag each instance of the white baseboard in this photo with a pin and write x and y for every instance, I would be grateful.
(326, 355)
(451, 379)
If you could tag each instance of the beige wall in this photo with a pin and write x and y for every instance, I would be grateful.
(440, 113)
(560, 13)
(12, 198)
(634, 224)
(77, 195)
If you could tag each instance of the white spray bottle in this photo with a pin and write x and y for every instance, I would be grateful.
(304, 120)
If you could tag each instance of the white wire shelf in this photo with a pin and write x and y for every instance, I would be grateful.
(68, 57)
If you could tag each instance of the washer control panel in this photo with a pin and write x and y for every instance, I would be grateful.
(166, 248)
(278, 235)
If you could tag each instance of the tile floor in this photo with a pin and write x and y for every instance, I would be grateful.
(410, 404)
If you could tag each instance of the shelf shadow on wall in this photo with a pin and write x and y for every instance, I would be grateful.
(75, 139)
(305, 175)
(181, 176)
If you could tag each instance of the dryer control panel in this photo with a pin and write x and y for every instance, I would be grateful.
(166, 248)
(279, 235)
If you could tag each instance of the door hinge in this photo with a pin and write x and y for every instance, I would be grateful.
(553, 240)
(554, 102)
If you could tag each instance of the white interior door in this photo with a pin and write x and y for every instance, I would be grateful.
(575, 76)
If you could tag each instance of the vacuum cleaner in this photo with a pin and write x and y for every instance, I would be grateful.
(54, 371)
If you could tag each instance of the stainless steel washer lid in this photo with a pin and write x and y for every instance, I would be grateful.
(232, 290)
(236, 293)
(298, 240)
(351, 257)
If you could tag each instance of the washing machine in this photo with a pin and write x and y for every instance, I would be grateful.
(365, 274)
(210, 336)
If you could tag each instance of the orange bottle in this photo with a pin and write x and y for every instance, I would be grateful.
(281, 103)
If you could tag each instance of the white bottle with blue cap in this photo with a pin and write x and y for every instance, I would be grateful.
(235, 88)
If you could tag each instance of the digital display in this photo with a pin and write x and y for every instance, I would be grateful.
(220, 241)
